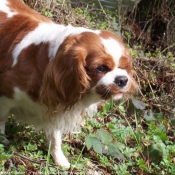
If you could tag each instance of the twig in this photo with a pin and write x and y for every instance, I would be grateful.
(31, 160)
(10, 166)
(24, 157)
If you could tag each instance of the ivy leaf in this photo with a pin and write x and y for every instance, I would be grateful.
(104, 136)
(138, 104)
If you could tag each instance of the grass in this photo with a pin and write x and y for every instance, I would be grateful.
(125, 137)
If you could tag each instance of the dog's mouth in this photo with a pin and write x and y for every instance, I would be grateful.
(111, 90)
(118, 96)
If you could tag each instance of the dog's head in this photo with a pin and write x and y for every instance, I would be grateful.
(84, 63)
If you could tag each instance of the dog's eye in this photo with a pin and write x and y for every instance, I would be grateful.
(124, 67)
(102, 69)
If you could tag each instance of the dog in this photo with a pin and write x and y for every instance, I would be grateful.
(51, 74)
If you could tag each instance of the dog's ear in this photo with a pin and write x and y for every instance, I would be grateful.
(65, 79)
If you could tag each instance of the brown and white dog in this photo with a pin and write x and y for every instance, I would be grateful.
(61, 69)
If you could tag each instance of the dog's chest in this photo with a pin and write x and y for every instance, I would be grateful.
(27, 111)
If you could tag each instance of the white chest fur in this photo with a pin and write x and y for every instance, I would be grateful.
(30, 112)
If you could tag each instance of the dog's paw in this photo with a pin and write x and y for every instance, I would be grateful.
(60, 159)
(64, 163)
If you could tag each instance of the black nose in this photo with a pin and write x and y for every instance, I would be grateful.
(121, 81)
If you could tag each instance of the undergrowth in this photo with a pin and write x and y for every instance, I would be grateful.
(126, 137)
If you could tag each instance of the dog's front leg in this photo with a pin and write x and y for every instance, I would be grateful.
(56, 151)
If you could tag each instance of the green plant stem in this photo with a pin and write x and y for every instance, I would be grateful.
(169, 47)
(102, 8)
(48, 157)
(138, 143)
(137, 128)
(111, 103)
(80, 154)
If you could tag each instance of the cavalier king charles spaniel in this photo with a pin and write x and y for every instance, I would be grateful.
(51, 74)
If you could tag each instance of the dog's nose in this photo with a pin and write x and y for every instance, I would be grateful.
(121, 81)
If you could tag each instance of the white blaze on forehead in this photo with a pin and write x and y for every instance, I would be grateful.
(4, 8)
(113, 48)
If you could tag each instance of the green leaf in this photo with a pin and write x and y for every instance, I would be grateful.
(22, 169)
(106, 107)
(97, 146)
(114, 151)
(93, 141)
(30, 147)
(172, 148)
(1, 148)
(153, 153)
(138, 104)
(122, 109)
(104, 136)
(148, 116)
(142, 165)
(5, 156)
(89, 142)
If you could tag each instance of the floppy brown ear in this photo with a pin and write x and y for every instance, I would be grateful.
(65, 79)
